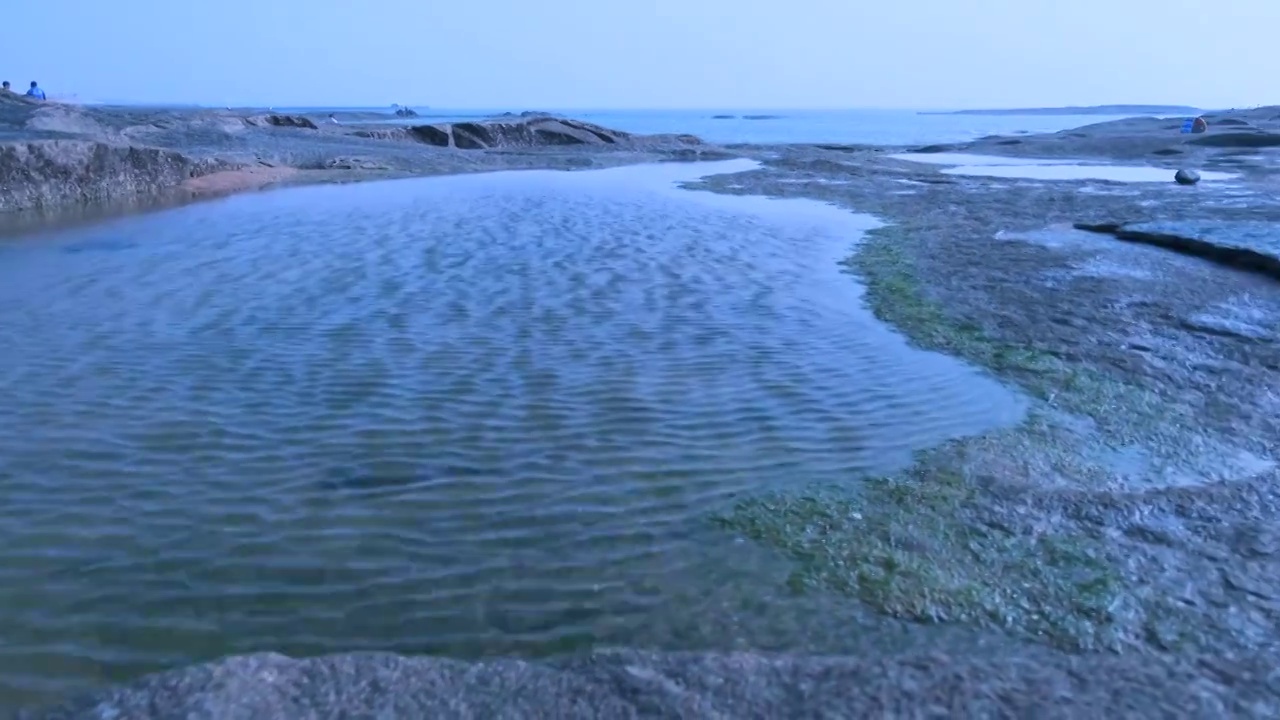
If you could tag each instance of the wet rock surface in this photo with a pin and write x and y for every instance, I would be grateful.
(674, 685)
(1122, 521)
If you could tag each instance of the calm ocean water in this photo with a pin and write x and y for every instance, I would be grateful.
(875, 127)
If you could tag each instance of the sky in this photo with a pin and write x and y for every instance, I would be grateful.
(667, 54)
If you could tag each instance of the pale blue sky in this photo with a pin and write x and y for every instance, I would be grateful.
(648, 53)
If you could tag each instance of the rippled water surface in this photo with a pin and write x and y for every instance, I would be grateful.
(480, 414)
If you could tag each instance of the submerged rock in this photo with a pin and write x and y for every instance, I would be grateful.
(1186, 177)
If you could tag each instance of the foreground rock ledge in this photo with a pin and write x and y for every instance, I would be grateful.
(627, 684)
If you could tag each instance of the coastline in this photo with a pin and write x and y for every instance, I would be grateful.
(1124, 534)
(61, 160)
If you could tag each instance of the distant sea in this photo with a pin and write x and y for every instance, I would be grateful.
(873, 127)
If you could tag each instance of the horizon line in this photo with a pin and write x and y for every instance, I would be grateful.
(623, 108)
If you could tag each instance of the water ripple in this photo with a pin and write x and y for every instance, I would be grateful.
(460, 414)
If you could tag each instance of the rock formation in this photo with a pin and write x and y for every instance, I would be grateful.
(54, 155)
(53, 173)
(297, 121)
(528, 131)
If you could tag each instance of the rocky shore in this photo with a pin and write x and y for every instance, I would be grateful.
(56, 157)
(1117, 555)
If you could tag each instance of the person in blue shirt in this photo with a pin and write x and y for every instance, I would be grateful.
(35, 91)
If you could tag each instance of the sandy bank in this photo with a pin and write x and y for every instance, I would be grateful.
(230, 181)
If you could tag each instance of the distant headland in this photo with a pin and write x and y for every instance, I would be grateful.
(1080, 110)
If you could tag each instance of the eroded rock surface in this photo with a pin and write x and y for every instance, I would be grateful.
(298, 121)
(44, 173)
(528, 131)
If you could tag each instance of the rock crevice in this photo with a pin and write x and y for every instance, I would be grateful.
(1246, 245)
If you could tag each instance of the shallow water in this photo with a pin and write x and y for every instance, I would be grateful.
(477, 414)
(1044, 169)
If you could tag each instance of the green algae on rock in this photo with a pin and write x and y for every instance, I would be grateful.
(904, 547)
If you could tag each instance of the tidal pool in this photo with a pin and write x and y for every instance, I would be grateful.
(464, 415)
(1043, 169)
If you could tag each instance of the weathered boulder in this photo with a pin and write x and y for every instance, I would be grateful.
(1186, 177)
(533, 131)
(49, 173)
(297, 121)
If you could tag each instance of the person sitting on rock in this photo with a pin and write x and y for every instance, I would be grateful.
(35, 92)
(5, 87)
(1199, 125)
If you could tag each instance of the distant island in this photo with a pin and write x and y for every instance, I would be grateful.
(1081, 110)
